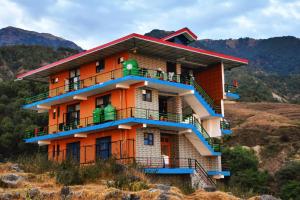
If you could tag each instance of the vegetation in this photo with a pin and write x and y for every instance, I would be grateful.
(71, 173)
(245, 177)
(288, 181)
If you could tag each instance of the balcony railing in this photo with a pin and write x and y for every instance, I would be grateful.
(230, 88)
(86, 154)
(225, 125)
(123, 114)
(118, 73)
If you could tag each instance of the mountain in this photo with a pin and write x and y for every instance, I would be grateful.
(16, 36)
(273, 73)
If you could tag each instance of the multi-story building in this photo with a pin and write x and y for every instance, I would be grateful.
(156, 101)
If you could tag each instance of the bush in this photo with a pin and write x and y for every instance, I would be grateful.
(288, 181)
(251, 180)
(245, 178)
(239, 159)
(290, 190)
(68, 173)
(37, 163)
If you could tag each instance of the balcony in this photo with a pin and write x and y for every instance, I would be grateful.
(225, 127)
(109, 80)
(231, 90)
(130, 116)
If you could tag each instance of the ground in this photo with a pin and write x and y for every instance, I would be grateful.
(43, 186)
(271, 129)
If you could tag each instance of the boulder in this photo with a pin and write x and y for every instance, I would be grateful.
(10, 180)
(10, 196)
(33, 193)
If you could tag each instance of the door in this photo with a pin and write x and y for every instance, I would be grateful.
(103, 148)
(166, 147)
(171, 71)
(73, 115)
(73, 151)
(74, 80)
(163, 108)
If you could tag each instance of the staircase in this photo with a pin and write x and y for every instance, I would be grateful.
(190, 119)
(208, 99)
(201, 179)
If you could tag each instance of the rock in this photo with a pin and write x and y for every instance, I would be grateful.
(268, 197)
(16, 168)
(65, 193)
(163, 187)
(33, 193)
(10, 180)
(130, 197)
(10, 196)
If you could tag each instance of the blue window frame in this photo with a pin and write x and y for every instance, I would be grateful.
(148, 139)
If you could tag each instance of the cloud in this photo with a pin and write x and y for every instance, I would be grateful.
(92, 22)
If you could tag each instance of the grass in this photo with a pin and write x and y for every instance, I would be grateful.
(123, 177)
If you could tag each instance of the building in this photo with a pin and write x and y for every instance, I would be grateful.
(156, 101)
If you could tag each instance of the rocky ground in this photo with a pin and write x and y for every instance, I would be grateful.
(271, 129)
(16, 184)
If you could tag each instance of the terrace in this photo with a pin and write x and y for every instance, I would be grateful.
(130, 116)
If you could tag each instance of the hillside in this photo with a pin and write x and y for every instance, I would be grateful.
(271, 129)
(16, 36)
(273, 73)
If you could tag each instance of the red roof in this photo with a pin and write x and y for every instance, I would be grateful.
(179, 32)
(134, 36)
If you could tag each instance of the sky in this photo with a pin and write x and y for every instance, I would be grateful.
(90, 23)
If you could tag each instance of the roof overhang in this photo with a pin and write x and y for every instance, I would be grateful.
(143, 45)
(184, 31)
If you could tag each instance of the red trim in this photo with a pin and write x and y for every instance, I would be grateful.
(159, 41)
(75, 56)
(180, 31)
(193, 49)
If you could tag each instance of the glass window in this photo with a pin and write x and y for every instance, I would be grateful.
(57, 150)
(54, 113)
(147, 95)
(148, 139)
(100, 65)
(103, 101)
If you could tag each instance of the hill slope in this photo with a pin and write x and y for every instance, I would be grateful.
(16, 36)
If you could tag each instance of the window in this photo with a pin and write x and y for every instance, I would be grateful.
(57, 150)
(58, 111)
(53, 151)
(103, 101)
(54, 113)
(148, 139)
(100, 65)
(147, 95)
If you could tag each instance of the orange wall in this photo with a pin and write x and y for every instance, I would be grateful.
(211, 81)
(87, 150)
(89, 69)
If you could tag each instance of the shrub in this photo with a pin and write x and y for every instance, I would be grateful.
(288, 173)
(239, 159)
(68, 173)
(37, 163)
(290, 190)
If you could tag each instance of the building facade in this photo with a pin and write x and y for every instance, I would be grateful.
(158, 102)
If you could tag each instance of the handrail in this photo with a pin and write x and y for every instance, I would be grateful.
(230, 88)
(225, 125)
(122, 114)
(118, 73)
(201, 171)
(207, 98)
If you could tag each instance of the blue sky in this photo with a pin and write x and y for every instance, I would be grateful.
(92, 22)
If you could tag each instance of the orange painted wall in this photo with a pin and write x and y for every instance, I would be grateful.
(88, 148)
(211, 81)
(89, 70)
(61, 79)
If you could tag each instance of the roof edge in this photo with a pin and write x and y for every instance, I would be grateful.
(133, 35)
(180, 31)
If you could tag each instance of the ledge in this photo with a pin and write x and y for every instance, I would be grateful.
(213, 173)
(169, 170)
(226, 131)
(233, 96)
